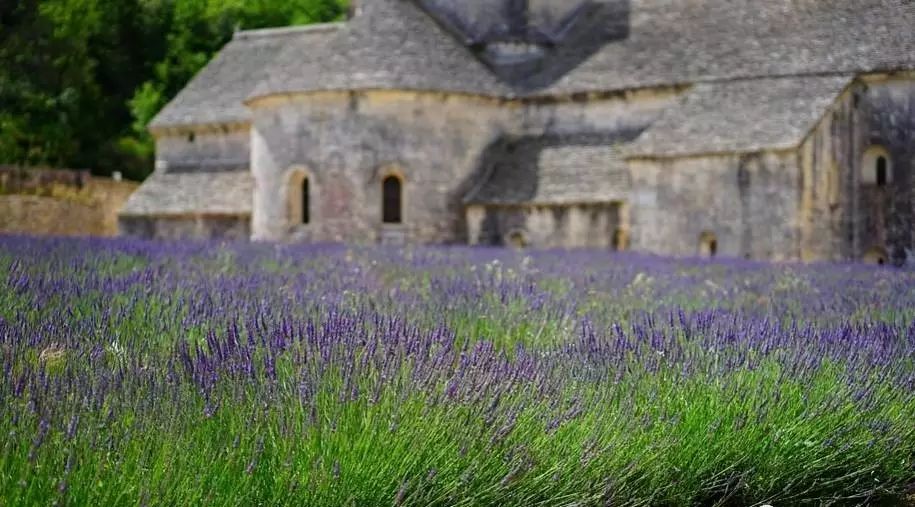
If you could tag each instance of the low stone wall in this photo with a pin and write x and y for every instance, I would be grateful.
(174, 228)
(549, 226)
(63, 210)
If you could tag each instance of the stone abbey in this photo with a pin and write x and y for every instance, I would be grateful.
(770, 130)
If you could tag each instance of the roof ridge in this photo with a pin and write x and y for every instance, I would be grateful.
(743, 116)
(392, 44)
(287, 30)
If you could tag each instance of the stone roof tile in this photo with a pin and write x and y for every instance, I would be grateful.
(193, 193)
(216, 94)
(740, 117)
(688, 41)
(395, 44)
(556, 171)
(392, 44)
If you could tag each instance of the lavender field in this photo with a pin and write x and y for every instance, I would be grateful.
(148, 374)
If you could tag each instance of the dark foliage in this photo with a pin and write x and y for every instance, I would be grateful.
(80, 79)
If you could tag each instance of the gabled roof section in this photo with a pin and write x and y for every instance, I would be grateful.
(193, 194)
(740, 117)
(216, 95)
(391, 44)
(616, 45)
(688, 41)
(555, 171)
(529, 44)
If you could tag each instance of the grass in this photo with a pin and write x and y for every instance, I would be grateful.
(202, 374)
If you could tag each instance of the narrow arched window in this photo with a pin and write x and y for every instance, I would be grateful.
(392, 200)
(882, 171)
(305, 216)
(298, 200)
(877, 167)
(876, 255)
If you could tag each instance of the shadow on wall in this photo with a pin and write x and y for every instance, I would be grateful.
(531, 44)
(511, 164)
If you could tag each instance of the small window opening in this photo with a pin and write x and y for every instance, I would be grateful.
(298, 200)
(877, 167)
(876, 256)
(882, 170)
(517, 239)
(708, 245)
(306, 202)
(392, 200)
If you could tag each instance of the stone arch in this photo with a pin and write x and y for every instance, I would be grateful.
(392, 196)
(877, 255)
(877, 167)
(708, 244)
(299, 196)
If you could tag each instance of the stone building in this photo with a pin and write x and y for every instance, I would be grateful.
(777, 129)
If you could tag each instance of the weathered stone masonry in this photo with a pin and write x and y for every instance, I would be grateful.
(348, 142)
(749, 129)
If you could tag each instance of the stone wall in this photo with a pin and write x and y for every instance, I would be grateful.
(594, 113)
(826, 206)
(884, 217)
(808, 204)
(348, 142)
(175, 228)
(213, 148)
(566, 226)
(37, 180)
(843, 216)
(747, 202)
(65, 211)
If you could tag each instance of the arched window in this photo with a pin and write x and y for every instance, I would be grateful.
(882, 169)
(708, 244)
(877, 167)
(392, 200)
(876, 255)
(305, 215)
(299, 198)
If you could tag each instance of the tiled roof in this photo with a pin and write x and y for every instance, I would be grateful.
(740, 116)
(392, 44)
(198, 193)
(621, 44)
(216, 95)
(555, 171)
(689, 41)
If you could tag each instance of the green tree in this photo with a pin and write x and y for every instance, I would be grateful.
(81, 79)
(45, 80)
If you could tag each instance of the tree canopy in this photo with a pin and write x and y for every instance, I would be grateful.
(81, 79)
